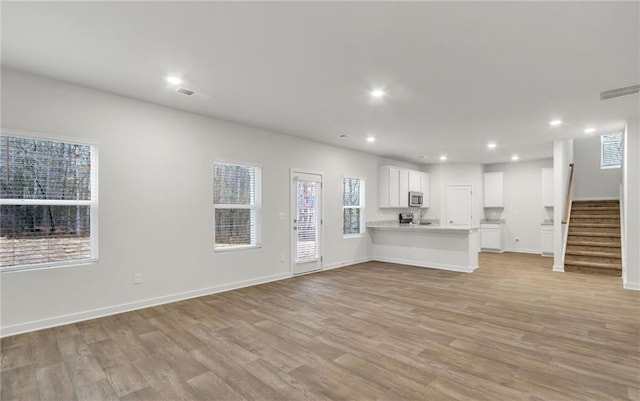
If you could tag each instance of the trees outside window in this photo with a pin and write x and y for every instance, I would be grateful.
(236, 205)
(352, 206)
(48, 203)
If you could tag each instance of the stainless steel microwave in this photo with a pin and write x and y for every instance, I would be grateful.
(415, 199)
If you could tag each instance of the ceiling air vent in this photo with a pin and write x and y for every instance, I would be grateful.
(627, 90)
(193, 94)
(185, 91)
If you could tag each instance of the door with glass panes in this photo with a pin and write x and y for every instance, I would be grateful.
(306, 225)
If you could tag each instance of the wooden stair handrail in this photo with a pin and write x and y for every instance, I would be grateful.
(567, 204)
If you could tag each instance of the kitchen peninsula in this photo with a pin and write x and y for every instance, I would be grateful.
(447, 248)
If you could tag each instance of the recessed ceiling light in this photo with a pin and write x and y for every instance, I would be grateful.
(555, 123)
(371, 139)
(174, 80)
(443, 157)
(378, 93)
(589, 130)
(492, 145)
(515, 158)
(344, 136)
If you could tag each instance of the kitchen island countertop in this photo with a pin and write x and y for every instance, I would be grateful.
(394, 225)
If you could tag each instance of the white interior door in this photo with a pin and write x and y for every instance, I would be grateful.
(459, 205)
(306, 209)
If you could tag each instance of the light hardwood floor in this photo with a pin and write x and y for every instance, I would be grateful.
(512, 330)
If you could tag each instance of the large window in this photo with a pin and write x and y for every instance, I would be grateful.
(236, 197)
(611, 150)
(48, 203)
(352, 206)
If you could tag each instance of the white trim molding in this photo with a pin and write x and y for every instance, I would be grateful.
(337, 265)
(131, 306)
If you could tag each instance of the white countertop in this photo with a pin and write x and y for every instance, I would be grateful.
(492, 221)
(394, 225)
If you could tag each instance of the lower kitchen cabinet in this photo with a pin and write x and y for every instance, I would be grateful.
(491, 237)
(547, 239)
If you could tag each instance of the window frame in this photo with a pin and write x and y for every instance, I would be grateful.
(93, 203)
(602, 147)
(256, 207)
(361, 207)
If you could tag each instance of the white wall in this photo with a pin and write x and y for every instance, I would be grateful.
(562, 158)
(590, 181)
(523, 211)
(442, 175)
(155, 184)
(631, 204)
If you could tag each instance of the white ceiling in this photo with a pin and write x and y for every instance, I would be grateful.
(458, 74)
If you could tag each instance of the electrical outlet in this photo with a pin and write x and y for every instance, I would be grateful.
(137, 278)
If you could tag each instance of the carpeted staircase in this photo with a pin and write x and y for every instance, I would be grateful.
(593, 244)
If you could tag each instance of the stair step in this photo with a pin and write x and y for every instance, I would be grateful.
(579, 221)
(604, 216)
(592, 270)
(595, 225)
(593, 253)
(590, 261)
(595, 218)
(606, 232)
(595, 232)
(572, 242)
(596, 202)
(598, 209)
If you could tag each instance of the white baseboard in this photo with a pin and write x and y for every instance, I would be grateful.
(631, 286)
(490, 250)
(524, 250)
(337, 265)
(127, 307)
(558, 268)
(455, 268)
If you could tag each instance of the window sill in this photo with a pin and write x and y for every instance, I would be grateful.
(347, 236)
(236, 248)
(47, 266)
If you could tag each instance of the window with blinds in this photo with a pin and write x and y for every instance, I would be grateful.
(236, 194)
(48, 203)
(352, 206)
(610, 150)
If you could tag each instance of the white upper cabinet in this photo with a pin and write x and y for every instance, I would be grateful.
(415, 181)
(404, 187)
(394, 184)
(388, 186)
(494, 189)
(424, 188)
(547, 187)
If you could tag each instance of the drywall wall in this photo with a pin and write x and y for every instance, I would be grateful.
(156, 202)
(590, 181)
(523, 211)
(562, 158)
(442, 175)
(631, 206)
